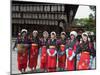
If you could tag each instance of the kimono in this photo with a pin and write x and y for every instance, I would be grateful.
(22, 55)
(71, 48)
(62, 54)
(43, 58)
(33, 53)
(86, 50)
(52, 55)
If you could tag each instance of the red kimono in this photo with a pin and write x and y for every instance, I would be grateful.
(70, 56)
(52, 56)
(62, 54)
(83, 63)
(43, 59)
(22, 59)
(33, 56)
(85, 52)
(43, 64)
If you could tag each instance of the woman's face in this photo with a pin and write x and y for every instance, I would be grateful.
(62, 36)
(52, 36)
(45, 35)
(72, 36)
(34, 34)
(23, 34)
(85, 38)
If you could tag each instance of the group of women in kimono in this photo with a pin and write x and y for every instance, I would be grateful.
(54, 54)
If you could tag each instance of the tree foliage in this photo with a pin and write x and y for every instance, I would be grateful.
(88, 23)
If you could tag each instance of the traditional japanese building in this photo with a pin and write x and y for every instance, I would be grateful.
(41, 16)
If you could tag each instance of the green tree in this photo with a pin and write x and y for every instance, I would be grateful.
(88, 23)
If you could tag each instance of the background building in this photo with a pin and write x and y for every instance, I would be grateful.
(41, 16)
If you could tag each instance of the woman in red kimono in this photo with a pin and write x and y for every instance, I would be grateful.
(71, 47)
(22, 47)
(62, 52)
(44, 44)
(33, 54)
(85, 52)
(52, 53)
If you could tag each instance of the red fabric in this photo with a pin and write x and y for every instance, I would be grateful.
(22, 59)
(62, 59)
(62, 48)
(33, 57)
(52, 51)
(43, 64)
(51, 63)
(83, 63)
(70, 64)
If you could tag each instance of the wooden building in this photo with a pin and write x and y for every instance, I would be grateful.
(41, 16)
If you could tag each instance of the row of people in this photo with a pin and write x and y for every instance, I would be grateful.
(61, 54)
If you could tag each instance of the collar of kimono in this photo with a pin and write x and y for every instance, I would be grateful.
(72, 43)
(45, 39)
(52, 40)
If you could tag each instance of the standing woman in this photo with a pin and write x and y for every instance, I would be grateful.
(52, 53)
(71, 48)
(22, 48)
(85, 52)
(33, 57)
(44, 45)
(62, 52)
